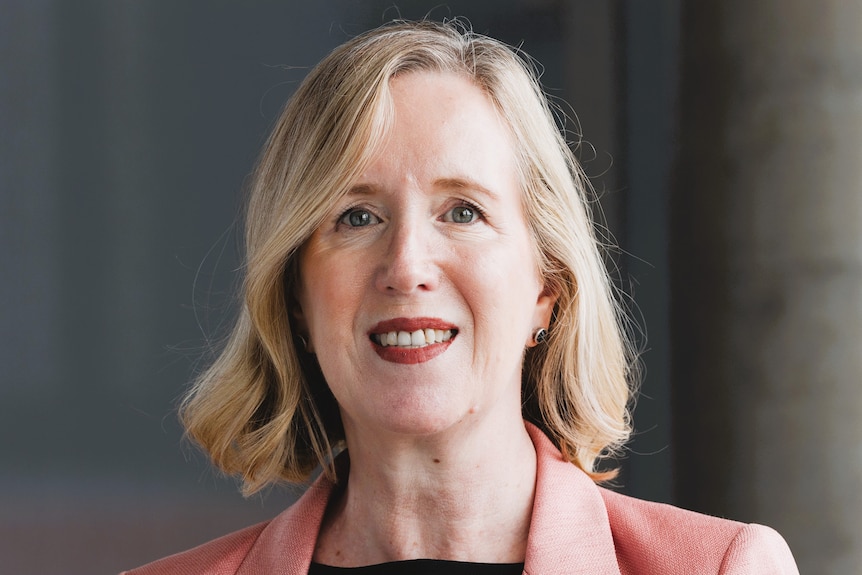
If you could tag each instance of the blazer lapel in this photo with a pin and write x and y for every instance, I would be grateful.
(569, 532)
(286, 545)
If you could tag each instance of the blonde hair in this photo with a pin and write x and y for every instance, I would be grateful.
(263, 410)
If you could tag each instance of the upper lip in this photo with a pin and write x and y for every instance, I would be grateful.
(410, 324)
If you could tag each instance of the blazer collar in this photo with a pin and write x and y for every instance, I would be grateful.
(569, 530)
(286, 545)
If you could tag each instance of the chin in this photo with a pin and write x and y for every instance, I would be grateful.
(422, 425)
(424, 421)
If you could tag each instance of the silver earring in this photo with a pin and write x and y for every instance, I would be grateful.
(304, 342)
(540, 336)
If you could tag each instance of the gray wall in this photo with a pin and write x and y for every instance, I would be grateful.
(126, 132)
(767, 281)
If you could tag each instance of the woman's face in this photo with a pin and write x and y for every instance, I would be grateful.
(420, 290)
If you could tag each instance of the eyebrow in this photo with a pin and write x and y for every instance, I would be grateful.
(464, 182)
(457, 182)
(361, 190)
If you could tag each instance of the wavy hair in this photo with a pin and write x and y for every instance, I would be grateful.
(262, 410)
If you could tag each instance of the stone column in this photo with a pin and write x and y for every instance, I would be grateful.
(767, 271)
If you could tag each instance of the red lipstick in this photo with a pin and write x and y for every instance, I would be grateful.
(410, 324)
(411, 355)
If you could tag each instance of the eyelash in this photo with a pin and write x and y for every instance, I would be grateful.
(479, 212)
(339, 221)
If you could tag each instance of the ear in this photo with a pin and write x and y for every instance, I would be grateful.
(545, 306)
(544, 311)
(297, 319)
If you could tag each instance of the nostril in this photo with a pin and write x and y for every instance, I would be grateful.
(408, 279)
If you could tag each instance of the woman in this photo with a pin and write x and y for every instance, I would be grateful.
(422, 277)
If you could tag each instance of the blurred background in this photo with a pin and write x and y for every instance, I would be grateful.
(723, 137)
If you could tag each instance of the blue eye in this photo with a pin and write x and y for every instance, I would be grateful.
(462, 214)
(357, 218)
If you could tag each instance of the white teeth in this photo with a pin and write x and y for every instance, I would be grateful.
(418, 338)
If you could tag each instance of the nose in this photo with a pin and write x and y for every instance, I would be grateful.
(408, 265)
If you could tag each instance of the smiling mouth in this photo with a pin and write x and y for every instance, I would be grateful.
(413, 339)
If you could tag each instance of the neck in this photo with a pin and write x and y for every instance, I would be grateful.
(464, 495)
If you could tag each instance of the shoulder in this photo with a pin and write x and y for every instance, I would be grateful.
(673, 540)
(283, 545)
(221, 556)
(588, 529)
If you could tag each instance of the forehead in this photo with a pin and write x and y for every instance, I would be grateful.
(443, 97)
(443, 126)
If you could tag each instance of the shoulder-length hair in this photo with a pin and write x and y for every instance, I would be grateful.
(263, 410)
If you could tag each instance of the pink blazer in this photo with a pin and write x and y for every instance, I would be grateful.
(577, 528)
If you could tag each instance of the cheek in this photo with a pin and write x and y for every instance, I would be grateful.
(331, 297)
(504, 286)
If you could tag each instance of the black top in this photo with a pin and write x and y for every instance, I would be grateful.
(422, 567)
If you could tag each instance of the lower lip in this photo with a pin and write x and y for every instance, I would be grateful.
(411, 355)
